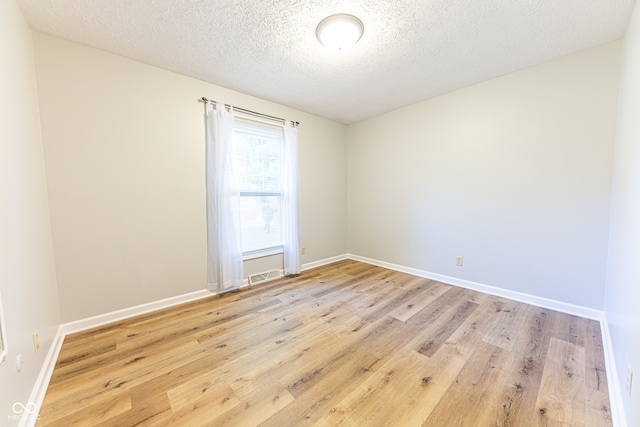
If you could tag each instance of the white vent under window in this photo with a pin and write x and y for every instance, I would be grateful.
(254, 279)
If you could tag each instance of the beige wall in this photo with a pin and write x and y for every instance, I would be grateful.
(513, 174)
(623, 278)
(27, 272)
(124, 150)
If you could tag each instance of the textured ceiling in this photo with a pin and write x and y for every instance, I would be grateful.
(411, 50)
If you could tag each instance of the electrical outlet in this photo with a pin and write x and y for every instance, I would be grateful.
(629, 379)
(459, 261)
(36, 341)
(303, 251)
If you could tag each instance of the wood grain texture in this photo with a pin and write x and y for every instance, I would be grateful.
(345, 344)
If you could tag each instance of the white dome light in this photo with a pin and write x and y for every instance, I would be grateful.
(339, 32)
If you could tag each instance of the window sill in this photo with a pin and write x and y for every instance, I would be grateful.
(261, 253)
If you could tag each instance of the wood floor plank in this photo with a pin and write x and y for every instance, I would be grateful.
(95, 414)
(396, 299)
(598, 408)
(412, 306)
(562, 396)
(145, 409)
(511, 319)
(255, 409)
(343, 344)
(520, 382)
(199, 412)
(473, 390)
(373, 399)
(92, 387)
(448, 324)
(595, 371)
(210, 386)
(336, 380)
(441, 370)
(423, 395)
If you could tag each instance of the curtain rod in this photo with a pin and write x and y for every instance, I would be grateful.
(244, 110)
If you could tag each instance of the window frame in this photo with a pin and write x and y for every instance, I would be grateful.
(267, 129)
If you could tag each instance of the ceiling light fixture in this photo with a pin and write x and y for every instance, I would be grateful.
(339, 32)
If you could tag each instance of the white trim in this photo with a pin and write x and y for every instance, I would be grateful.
(325, 261)
(561, 306)
(262, 253)
(618, 417)
(114, 316)
(42, 382)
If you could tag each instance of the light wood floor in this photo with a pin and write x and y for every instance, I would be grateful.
(345, 344)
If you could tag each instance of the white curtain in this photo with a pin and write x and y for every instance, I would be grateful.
(291, 202)
(224, 246)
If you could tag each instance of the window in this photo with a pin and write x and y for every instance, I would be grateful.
(257, 163)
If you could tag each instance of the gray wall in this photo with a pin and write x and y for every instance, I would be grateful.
(124, 150)
(623, 279)
(27, 272)
(513, 174)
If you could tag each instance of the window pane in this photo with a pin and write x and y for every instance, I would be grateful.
(257, 157)
(257, 162)
(260, 219)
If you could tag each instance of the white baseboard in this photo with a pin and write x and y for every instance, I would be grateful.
(114, 316)
(563, 307)
(615, 392)
(42, 382)
(325, 261)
